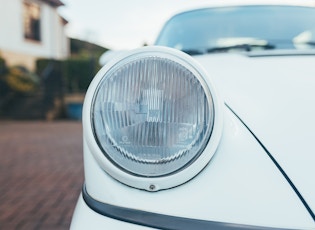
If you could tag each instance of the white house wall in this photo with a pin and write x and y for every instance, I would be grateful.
(53, 44)
(10, 25)
(56, 43)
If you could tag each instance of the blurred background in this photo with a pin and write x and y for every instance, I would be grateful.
(43, 72)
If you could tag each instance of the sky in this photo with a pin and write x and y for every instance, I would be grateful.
(123, 24)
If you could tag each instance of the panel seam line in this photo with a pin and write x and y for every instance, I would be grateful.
(297, 192)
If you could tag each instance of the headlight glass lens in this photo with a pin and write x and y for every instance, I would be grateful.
(152, 115)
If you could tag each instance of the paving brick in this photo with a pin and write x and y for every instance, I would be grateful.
(41, 174)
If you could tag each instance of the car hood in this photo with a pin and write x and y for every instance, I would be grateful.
(274, 95)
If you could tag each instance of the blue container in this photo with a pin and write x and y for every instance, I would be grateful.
(74, 110)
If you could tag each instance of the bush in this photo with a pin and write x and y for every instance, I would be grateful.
(20, 80)
(77, 73)
(3, 67)
(42, 64)
(4, 88)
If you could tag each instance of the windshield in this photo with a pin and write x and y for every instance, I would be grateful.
(241, 28)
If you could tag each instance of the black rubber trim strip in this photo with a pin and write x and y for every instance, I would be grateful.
(277, 165)
(160, 221)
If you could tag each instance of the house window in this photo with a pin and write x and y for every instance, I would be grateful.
(32, 21)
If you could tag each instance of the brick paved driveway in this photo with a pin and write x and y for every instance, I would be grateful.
(41, 174)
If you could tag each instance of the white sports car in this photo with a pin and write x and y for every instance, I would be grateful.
(212, 128)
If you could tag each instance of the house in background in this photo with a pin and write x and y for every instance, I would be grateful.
(32, 29)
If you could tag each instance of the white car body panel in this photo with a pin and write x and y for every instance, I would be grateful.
(275, 97)
(239, 185)
(261, 174)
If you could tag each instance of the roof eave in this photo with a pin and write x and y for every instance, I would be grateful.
(54, 3)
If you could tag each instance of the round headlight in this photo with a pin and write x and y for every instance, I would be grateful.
(152, 113)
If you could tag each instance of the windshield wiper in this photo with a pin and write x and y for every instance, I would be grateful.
(193, 51)
(232, 44)
(241, 47)
(309, 43)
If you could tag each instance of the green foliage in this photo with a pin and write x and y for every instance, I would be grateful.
(44, 67)
(21, 80)
(3, 67)
(78, 70)
(4, 88)
(77, 73)
(85, 49)
(42, 64)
